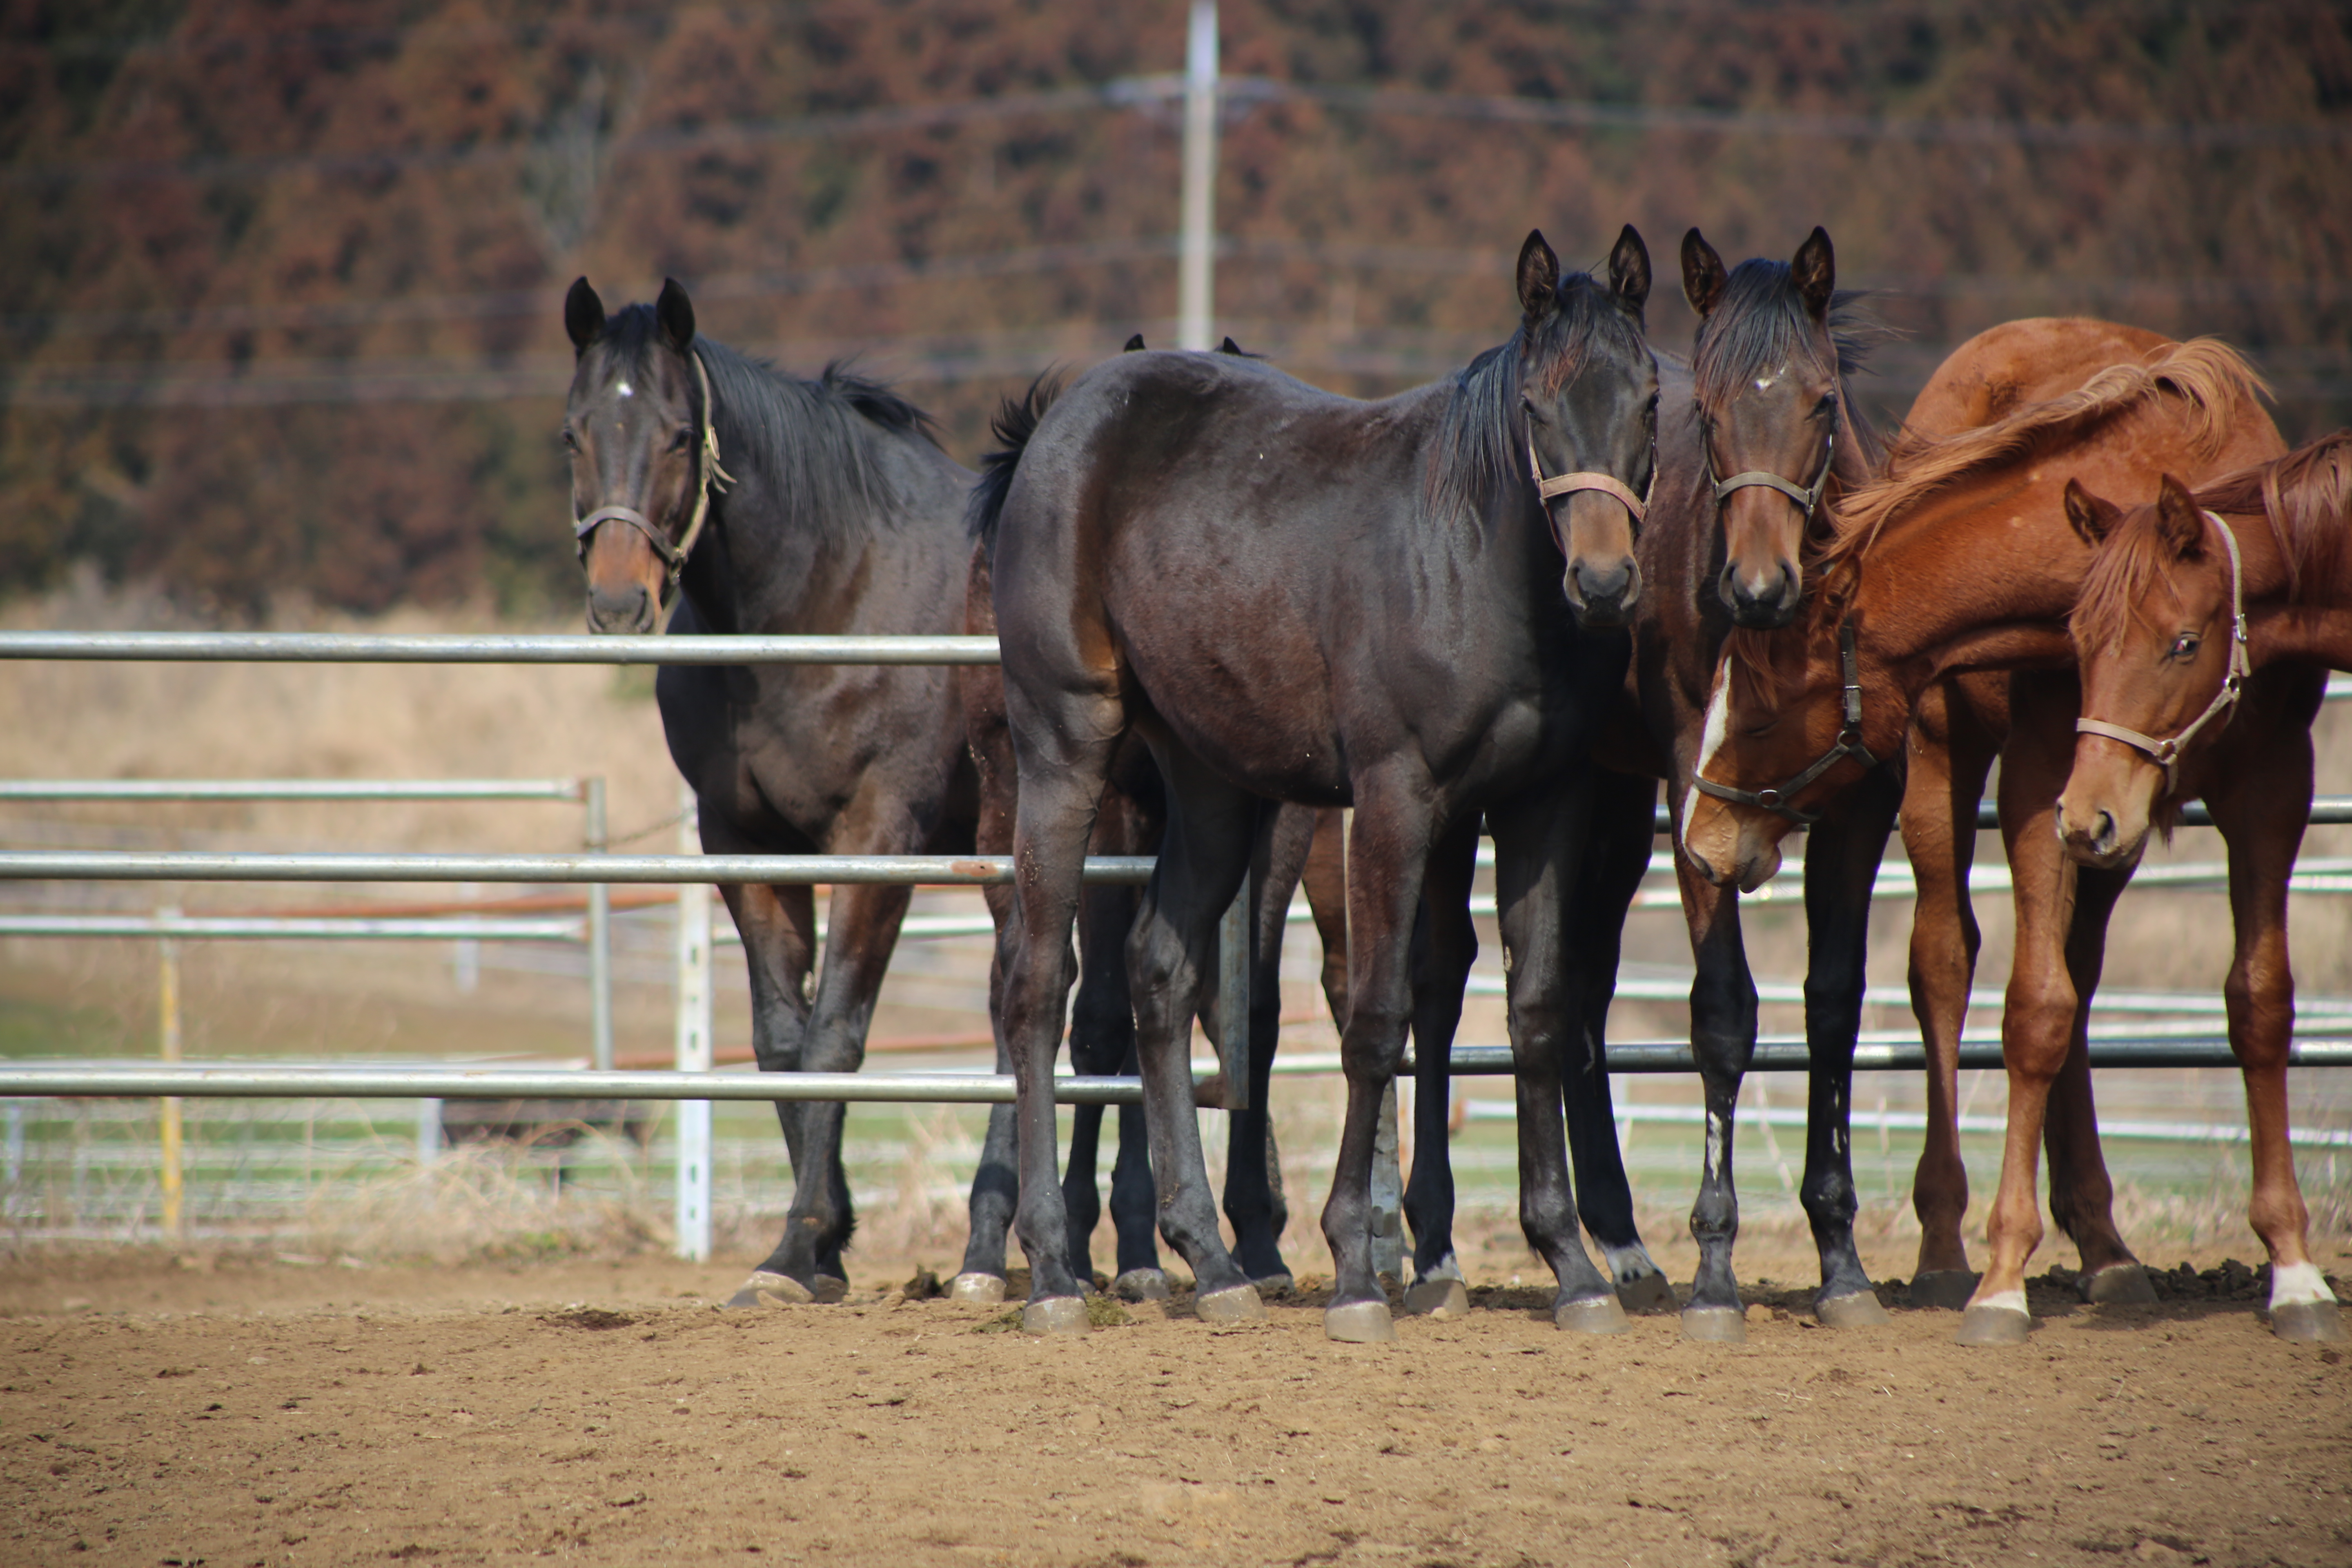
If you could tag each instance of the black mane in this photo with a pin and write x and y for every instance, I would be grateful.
(1478, 450)
(816, 445)
(1760, 323)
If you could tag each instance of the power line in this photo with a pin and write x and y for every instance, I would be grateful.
(1147, 91)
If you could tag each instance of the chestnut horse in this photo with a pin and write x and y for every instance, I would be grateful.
(834, 512)
(1963, 558)
(1296, 596)
(2183, 601)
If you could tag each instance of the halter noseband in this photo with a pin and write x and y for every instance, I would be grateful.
(1849, 744)
(1589, 479)
(2166, 752)
(1763, 478)
(714, 478)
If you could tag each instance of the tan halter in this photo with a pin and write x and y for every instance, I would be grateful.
(1589, 479)
(2166, 752)
(714, 478)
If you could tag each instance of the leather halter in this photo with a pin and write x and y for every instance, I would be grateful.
(714, 478)
(1589, 479)
(2166, 752)
(1849, 744)
(1763, 478)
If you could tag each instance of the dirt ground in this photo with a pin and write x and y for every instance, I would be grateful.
(249, 1413)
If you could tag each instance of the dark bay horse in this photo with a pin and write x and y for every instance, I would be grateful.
(2185, 599)
(1963, 558)
(834, 512)
(1292, 595)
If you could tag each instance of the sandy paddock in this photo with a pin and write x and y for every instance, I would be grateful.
(246, 1413)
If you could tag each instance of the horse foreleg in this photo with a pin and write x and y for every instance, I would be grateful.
(1842, 858)
(2037, 1026)
(1723, 1039)
(1446, 944)
(1387, 848)
(2261, 818)
(1616, 859)
(1951, 754)
(1537, 843)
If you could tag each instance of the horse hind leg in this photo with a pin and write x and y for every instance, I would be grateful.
(1616, 859)
(1253, 1196)
(1102, 1042)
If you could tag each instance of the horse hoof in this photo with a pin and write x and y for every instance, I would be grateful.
(1591, 1315)
(1647, 1292)
(1140, 1285)
(1359, 1323)
(768, 1289)
(1437, 1298)
(1715, 1325)
(1984, 1325)
(1054, 1315)
(2307, 1323)
(2117, 1285)
(1236, 1304)
(830, 1289)
(1273, 1287)
(980, 1290)
(1858, 1310)
(1946, 1289)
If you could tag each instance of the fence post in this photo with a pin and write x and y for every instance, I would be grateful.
(1196, 248)
(693, 1048)
(428, 1132)
(1233, 995)
(168, 1009)
(600, 934)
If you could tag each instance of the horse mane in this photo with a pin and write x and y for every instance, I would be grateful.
(1012, 424)
(2305, 497)
(1475, 452)
(1762, 323)
(2212, 381)
(818, 444)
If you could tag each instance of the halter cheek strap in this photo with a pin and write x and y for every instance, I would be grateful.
(2166, 752)
(1849, 744)
(1761, 478)
(713, 478)
(1589, 479)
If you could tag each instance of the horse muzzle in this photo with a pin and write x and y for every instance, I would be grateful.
(1727, 849)
(2101, 830)
(1603, 596)
(1763, 600)
(630, 611)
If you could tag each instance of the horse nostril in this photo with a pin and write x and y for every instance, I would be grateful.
(2103, 831)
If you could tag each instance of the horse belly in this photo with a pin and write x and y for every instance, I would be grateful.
(1244, 686)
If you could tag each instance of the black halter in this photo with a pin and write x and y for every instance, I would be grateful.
(1849, 744)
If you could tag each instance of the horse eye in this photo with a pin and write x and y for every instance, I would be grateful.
(2184, 646)
(683, 439)
(571, 439)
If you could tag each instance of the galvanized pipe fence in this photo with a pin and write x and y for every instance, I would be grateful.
(694, 874)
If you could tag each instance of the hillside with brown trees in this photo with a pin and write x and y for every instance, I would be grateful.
(283, 277)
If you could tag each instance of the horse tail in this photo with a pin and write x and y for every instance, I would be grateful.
(1015, 423)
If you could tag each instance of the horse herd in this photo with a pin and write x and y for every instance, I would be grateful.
(1511, 602)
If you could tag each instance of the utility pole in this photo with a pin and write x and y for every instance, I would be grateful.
(1196, 255)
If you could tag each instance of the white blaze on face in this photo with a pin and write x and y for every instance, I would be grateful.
(1711, 737)
(2295, 1283)
(623, 389)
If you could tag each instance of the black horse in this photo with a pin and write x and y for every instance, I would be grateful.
(772, 504)
(1292, 595)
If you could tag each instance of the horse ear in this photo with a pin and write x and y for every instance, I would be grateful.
(674, 311)
(1133, 344)
(584, 316)
(2179, 523)
(1629, 269)
(1703, 274)
(1815, 272)
(2093, 517)
(1538, 276)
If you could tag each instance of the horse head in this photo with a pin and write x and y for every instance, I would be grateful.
(1765, 370)
(1588, 395)
(2156, 629)
(644, 458)
(1783, 736)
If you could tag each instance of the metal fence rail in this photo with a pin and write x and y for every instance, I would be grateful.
(370, 647)
(896, 870)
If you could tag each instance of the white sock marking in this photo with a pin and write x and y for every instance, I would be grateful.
(2003, 1300)
(2293, 1284)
